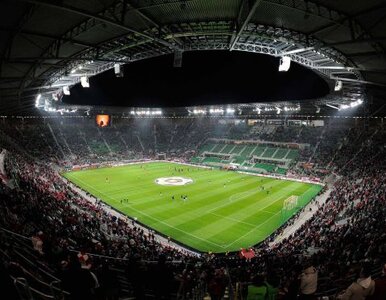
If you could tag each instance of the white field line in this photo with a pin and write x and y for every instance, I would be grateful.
(210, 211)
(257, 227)
(261, 224)
(151, 217)
(233, 219)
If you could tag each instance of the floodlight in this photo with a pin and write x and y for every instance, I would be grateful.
(84, 82)
(332, 106)
(285, 63)
(118, 70)
(66, 90)
(37, 100)
(338, 85)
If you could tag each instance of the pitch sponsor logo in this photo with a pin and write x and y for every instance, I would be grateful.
(173, 181)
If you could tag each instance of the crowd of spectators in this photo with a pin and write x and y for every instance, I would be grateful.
(344, 234)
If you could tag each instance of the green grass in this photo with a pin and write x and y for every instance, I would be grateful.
(225, 211)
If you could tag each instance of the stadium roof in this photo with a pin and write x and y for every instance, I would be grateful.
(47, 44)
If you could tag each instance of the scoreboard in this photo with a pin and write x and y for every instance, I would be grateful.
(103, 120)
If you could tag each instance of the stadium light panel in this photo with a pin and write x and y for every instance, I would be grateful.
(118, 70)
(230, 110)
(66, 90)
(332, 106)
(285, 63)
(278, 110)
(338, 85)
(37, 100)
(84, 82)
(216, 111)
(199, 111)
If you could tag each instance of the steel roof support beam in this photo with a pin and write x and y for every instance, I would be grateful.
(335, 17)
(356, 41)
(89, 23)
(245, 14)
(125, 4)
(101, 18)
(52, 37)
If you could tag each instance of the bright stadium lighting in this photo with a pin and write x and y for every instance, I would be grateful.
(216, 111)
(37, 100)
(118, 70)
(73, 71)
(285, 63)
(338, 85)
(66, 90)
(230, 110)
(199, 111)
(332, 106)
(258, 110)
(278, 110)
(344, 106)
(84, 82)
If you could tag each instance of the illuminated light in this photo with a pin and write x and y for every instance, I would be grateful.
(73, 71)
(216, 110)
(258, 110)
(332, 106)
(338, 85)
(37, 100)
(102, 120)
(230, 110)
(199, 111)
(285, 63)
(84, 82)
(118, 70)
(66, 90)
(278, 110)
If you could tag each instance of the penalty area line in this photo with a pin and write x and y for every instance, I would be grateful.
(160, 221)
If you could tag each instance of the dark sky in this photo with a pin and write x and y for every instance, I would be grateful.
(206, 77)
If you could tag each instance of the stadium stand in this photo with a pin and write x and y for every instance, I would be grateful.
(45, 252)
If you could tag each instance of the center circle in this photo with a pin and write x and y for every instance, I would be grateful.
(173, 181)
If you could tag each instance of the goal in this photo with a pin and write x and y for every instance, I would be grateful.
(291, 202)
(290, 206)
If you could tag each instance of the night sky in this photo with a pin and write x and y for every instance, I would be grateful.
(206, 77)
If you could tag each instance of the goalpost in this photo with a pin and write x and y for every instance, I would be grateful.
(290, 206)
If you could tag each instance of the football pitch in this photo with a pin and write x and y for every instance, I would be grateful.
(205, 209)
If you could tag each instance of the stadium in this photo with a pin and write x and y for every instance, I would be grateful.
(192, 149)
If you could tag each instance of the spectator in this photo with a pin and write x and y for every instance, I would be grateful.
(380, 287)
(360, 289)
(37, 242)
(308, 282)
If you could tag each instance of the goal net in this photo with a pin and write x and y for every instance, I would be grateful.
(290, 206)
(290, 203)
